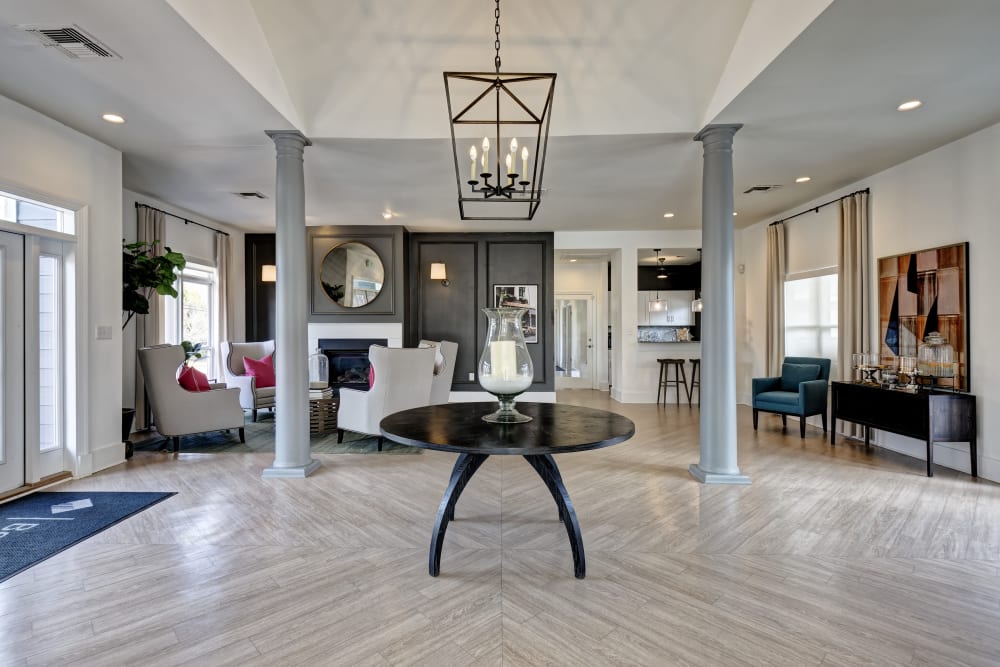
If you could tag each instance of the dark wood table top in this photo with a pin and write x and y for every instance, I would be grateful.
(554, 429)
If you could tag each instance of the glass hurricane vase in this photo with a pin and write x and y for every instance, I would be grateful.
(505, 368)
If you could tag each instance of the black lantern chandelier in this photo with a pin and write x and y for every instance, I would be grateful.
(501, 127)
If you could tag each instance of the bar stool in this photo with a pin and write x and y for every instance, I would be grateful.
(680, 379)
(695, 380)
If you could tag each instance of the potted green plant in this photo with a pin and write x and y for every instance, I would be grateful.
(192, 351)
(144, 273)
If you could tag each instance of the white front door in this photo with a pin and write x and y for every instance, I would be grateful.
(11, 361)
(574, 341)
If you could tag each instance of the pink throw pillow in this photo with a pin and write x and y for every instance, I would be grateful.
(192, 379)
(262, 369)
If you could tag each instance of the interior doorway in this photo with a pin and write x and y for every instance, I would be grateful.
(575, 334)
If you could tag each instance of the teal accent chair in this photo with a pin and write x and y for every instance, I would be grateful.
(800, 390)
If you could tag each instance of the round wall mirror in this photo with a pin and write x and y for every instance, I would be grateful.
(352, 274)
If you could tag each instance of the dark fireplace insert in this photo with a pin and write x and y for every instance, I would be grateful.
(349, 360)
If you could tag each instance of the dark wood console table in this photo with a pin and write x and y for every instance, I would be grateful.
(930, 416)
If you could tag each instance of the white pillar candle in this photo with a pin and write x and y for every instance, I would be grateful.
(507, 162)
(486, 153)
(472, 167)
(524, 163)
(503, 359)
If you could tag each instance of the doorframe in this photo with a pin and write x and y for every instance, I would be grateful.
(73, 286)
(592, 316)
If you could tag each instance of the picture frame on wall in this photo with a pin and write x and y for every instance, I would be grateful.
(924, 292)
(520, 296)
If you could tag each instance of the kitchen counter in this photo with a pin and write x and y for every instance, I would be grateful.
(664, 334)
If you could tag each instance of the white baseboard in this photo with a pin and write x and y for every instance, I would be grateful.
(105, 457)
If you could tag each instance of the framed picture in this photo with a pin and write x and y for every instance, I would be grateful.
(520, 296)
(924, 292)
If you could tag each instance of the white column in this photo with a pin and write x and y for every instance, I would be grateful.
(292, 456)
(717, 464)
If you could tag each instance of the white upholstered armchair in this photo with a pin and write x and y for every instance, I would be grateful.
(178, 411)
(252, 397)
(444, 369)
(402, 381)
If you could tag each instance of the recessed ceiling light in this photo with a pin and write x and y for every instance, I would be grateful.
(909, 106)
(387, 215)
(668, 215)
(573, 260)
(803, 179)
(736, 213)
(113, 118)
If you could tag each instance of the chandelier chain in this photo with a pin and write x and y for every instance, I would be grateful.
(496, 29)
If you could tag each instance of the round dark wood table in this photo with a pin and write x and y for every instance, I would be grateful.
(554, 429)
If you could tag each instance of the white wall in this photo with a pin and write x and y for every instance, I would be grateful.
(946, 196)
(633, 366)
(197, 244)
(45, 160)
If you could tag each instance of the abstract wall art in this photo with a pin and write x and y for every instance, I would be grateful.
(920, 293)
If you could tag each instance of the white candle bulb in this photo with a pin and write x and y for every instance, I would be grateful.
(486, 153)
(472, 156)
(524, 163)
(513, 147)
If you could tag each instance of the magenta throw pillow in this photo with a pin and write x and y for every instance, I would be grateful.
(262, 369)
(192, 379)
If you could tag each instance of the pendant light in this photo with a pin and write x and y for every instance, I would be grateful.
(659, 305)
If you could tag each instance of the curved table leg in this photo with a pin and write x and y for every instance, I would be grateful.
(465, 467)
(546, 468)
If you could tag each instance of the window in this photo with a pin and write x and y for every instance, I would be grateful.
(811, 317)
(27, 212)
(192, 315)
(49, 352)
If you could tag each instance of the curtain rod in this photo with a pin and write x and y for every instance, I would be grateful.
(180, 217)
(815, 209)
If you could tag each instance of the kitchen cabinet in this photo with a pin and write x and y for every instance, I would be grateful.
(677, 314)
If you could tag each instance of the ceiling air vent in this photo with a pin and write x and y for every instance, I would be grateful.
(250, 195)
(760, 188)
(72, 41)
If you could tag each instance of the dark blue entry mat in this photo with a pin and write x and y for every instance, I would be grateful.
(41, 525)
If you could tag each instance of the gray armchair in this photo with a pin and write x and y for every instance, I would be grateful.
(800, 390)
(444, 369)
(252, 397)
(178, 411)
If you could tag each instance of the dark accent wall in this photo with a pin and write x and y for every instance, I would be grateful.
(477, 262)
(678, 278)
(260, 297)
(389, 243)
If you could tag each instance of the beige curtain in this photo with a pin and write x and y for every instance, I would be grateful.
(854, 279)
(151, 226)
(224, 308)
(775, 339)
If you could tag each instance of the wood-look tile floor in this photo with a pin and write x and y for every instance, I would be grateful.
(833, 556)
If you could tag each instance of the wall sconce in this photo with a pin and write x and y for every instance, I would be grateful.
(440, 272)
(697, 306)
(268, 273)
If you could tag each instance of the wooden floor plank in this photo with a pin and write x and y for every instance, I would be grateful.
(832, 556)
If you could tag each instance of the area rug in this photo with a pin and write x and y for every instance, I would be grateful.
(41, 525)
(260, 438)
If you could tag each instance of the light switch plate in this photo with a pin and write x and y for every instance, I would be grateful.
(104, 332)
(472, 377)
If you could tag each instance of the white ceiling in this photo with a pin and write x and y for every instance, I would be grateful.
(816, 87)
